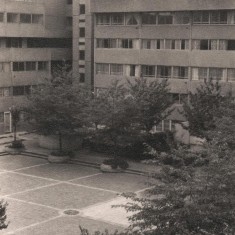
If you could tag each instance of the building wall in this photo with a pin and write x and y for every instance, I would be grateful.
(21, 21)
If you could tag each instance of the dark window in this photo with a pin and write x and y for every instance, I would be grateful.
(12, 18)
(164, 71)
(42, 65)
(231, 45)
(49, 43)
(81, 55)
(148, 71)
(132, 21)
(30, 66)
(18, 90)
(82, 20)
(132, 70)
(69, 2)
(165, 19)
(82, 32)
(148, 18)
(205, 45)
(127, 43)
(69, 21)
(1, 17)
(25, 18)
(18, 66)
(82, 9)
(14, 42)
(82, 77)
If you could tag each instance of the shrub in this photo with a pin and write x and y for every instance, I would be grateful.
(116, 162)
(16, 144)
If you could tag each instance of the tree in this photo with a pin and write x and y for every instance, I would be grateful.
(15, 117)
(57, 107)
(150, 102)
(192, 198)
(202, 107)
(3, 217)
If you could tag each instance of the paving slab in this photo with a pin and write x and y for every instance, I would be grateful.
(121, 182)
(114, 215)
(68, 226)
(61, 171)
(21, 214)
(11, 182)
(14, 162)
(66, 196)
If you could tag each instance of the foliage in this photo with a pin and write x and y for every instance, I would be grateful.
(116, 163)
(149, 102)
(16, 144)
(3, 217)
(203, 107)
(189, 198)
(106, 232)
(57, 107)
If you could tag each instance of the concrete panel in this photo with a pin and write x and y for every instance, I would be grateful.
(159, 5)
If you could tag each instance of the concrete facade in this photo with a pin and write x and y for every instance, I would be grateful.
(183, 40)
(34, 35)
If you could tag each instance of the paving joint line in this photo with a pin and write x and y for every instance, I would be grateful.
(85, 177)
(33, 225)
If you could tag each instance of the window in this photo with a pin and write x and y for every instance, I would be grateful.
(117, 19)
(231, 74)
(81, 77)
(102, 68)
(37, 19)
(180, 72)
(165, 18)
(205, 45)
(169, 44)
(231, 45)
(82, 9)
(81, 32)
(18, 66)
(219, 17)
(148, 70)
(25, 18)
(201, 17)
(149, 18)
(126, 43)
(12, 18)
(103, 19)
(131, 20)
(164, 71)
(81, 55)
(14, 42)
(18, 90)
(30, 66)
(216, 73)
(69, 2)
(160, 44)
(1, 114)
(106, 43)
(202, 73)
(5, 91)
(42, 65)
(182, 18)
(1, 17)
(131, 70)
(116, 69)
(148, 44)
(184, 44)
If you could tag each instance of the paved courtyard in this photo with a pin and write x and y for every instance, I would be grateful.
(38, 193)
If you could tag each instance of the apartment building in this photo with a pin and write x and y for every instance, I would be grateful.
(35, 35)
(184, 41)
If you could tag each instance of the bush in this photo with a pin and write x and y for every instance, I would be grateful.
(116, 162)
(16, 144)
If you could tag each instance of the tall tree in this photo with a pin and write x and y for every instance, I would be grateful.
(57, 107)
(202, 107)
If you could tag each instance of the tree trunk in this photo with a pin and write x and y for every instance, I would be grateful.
(60, 142)
(14, 133)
